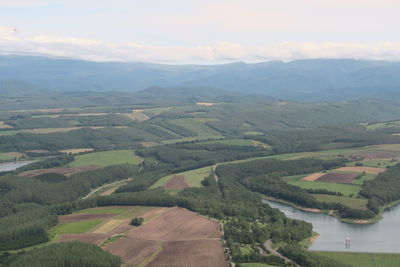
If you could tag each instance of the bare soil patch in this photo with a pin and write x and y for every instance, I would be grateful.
(313, 177)
(64, 171)
(176, 182)
(177, 224)
(137, 115)
(193, 253)
(51, 110)
(334, 177)
(84, 217)
(149, 144)
(361, 169)
(3, 125)
(91, 238)
(133, 251)
(121, 229)
(76, 150)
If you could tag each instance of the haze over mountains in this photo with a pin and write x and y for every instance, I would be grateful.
(302, 80)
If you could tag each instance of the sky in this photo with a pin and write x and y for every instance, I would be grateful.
(201, 31)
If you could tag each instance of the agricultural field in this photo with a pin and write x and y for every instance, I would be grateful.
(345, 189)
(77, 150)
(196, 125)
(106, 158)
(232, 142)
(380, 125)
(352, 202)
(65, 171)
(11, 155)
(4, 126)
(168, 236)
(183, 180)
(363, 259)
(43, 130)
(137, 115)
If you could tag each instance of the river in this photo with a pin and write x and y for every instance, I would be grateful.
(10, 166)
(383, 236)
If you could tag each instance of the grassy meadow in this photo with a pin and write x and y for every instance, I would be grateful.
(106, 158)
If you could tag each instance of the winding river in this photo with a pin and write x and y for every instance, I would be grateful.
(382, 237)
(10, 166)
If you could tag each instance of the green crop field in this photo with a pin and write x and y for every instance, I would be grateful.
(193, 178)
(196, 125)
(106, 158)
(189, 139)
(352, 202)
(4, 156)
(383, 125)
(345, 189)
(98, 211)
(363, 259)
(232, 142)
(74, 227)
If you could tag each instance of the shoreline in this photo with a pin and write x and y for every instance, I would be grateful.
(332, 213)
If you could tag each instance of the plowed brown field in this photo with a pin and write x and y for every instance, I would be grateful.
(65, 171)
(313, 177)
(91, 238)
(178, 224)
(334, 177)
(193, 253)
(176, 182)
(133, 251)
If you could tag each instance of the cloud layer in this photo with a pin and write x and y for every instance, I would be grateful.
(69, 47)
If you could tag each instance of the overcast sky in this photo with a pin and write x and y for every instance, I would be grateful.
(201, 31)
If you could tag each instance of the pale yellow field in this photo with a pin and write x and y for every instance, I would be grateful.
(313, 177)
(4, 126)
(137, 115)
(76, 150)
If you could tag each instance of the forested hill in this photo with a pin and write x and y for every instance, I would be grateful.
(303, 80)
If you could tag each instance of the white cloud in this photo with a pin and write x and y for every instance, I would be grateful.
(222, 51)
(7, 33)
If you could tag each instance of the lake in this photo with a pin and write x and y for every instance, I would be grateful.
(383, 236)
(10, 166)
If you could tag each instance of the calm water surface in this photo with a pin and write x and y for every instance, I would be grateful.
(10, 166)
(383, 236)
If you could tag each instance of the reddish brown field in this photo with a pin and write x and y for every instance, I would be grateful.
(193, 253)
(133, 251)
(176, 182)
(361, 169)
(178, 224)
(120, 229)
(64, 171)
(83, 217)
(91, 238)
(334, 177)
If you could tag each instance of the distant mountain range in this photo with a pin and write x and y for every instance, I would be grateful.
(302, 80)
